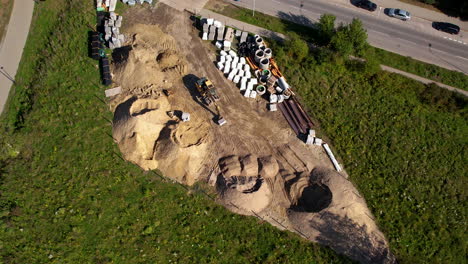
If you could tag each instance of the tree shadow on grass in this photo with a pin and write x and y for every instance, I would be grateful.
(345, 236)
(300, 25)
(298, 19)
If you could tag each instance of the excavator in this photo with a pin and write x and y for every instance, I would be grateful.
(207, 91)
(209, 96)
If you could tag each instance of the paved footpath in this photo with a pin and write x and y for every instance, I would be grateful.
(13, 44)
(423, 80)
(267, 33)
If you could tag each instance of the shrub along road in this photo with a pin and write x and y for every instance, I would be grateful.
(270, 34)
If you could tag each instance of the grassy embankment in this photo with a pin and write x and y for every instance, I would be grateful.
(403, 144)
(66, 197)
(5, 11)
(429, 71)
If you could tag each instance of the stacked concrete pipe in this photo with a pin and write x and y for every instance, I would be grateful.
(259, 55)
(264, 64)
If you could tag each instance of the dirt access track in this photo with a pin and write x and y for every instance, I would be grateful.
(255, 162)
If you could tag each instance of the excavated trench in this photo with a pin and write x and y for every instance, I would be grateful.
(314, 198)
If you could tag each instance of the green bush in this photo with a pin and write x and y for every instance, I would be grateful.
(326, 29)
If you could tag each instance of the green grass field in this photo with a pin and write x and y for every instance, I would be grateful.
(429, 71)
(67, 197)
(5, 11)
(403, 144)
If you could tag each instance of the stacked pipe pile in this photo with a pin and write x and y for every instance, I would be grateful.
(96, 46)
(133, 2)
(105, 71)
(254, 55)
(214, 30)
(259, 56)
(112, 35)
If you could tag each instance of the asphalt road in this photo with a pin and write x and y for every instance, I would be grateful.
(413, 38)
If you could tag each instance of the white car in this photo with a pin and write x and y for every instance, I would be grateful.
(399, 13)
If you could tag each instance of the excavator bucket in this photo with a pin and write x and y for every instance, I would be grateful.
(221, 121)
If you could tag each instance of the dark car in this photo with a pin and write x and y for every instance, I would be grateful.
(366, 4)
(446, 27)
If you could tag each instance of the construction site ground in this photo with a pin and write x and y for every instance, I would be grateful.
(205, 151)
(251, 128)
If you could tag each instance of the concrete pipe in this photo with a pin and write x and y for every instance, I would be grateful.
(262, 47)
(260, 89)
(268, 53)
(265, 64)
(266, 73)
(259, 41)
(259, 55)
(263, 80)
(282, 83)
(287, 93)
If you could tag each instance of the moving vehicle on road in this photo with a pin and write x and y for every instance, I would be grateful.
(366, 4)
(399, 13)
(446, 27)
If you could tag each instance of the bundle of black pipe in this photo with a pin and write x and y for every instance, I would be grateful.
(105, 71)
(95, 45)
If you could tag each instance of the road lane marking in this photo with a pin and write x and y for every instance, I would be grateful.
(459, 41)
(461, 57)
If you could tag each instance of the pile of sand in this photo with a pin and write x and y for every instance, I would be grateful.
(150, 63)
(344, 224)
(241, 186)
(144, 131)
(268, 167)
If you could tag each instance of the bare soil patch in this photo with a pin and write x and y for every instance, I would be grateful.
(261, 168)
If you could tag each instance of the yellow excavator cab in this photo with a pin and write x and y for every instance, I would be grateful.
(208, 83)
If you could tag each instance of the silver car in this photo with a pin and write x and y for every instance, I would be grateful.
(399, 13)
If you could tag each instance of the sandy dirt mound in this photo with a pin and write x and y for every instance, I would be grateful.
(150, 62)
(137, 123)
(240, 186)
(268, 167)
(336, 216)
(249, 166)
(190, 134)
(144, 131)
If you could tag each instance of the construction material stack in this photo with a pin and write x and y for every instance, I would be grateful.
(267, 81)
(105, 71)
(133, 2)
(96, 45)
(102, 5)
(112, 24)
